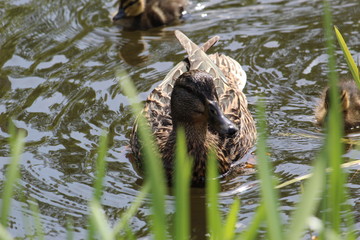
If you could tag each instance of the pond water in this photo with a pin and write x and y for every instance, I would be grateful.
(57, 81)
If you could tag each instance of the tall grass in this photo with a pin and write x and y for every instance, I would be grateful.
(269, 195)
(16, 143)
(96, 216)
(217, 228)
(324, 196)
(334, 195)
(151, 157)
(12, 174)
(183, 169)
(349, 59)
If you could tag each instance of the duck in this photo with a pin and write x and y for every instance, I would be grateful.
(349, 102)
(203, 94)
(146, 14)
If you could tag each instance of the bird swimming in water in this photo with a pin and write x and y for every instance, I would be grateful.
(145, 14)
(203, 95)
(350, 105)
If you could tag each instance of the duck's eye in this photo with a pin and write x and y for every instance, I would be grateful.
(212, 109)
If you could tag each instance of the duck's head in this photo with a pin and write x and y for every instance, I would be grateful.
(350, 106)
(129, 8)
(194, 102)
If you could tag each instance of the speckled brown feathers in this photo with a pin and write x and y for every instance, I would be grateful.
(228, 79)
(350, 105)
(145, 14)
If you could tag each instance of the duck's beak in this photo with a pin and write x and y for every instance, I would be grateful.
(219, 121)
(120, 14)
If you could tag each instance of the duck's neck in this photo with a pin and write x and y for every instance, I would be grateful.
(199, 141)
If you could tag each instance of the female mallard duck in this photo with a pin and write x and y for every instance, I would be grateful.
(145, 14)
(203, 95)
(350, 104)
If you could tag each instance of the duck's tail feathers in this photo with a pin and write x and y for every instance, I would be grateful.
(190, 47)
(198, 58)
(209, 43)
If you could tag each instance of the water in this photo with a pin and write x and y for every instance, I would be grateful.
(57, 81)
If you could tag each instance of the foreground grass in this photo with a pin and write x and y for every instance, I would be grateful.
(323, 198)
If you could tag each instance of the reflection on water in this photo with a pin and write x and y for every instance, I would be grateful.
(57, 82)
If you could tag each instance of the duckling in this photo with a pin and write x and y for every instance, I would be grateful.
(203, 95)
(145, 14)
(350, 105)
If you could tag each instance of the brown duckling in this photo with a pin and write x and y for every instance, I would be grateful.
(350, 105)
(203, 95)
(145, 14)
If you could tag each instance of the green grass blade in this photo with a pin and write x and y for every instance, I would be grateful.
(132, 210)
(214, 222)
(231, 219)
(268, 192)
(4, 234)
(99, 220)
(39, 232)
(69, 229)
(349, 59)
(153, 165)
(253, 229)
(309, 201)
(183, 166)
(331, 235)
(99, 178)
(12, 173)
(334, 132)
(100, 167)
(129, 234)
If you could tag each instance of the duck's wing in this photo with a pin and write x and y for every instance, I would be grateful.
(198, 59)
(168, 83)
(231, 69)
(220, 67)
(230, 72)
(161, 94)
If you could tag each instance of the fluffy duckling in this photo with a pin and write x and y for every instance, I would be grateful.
(203, 95)
(350, 105)
(145, 14)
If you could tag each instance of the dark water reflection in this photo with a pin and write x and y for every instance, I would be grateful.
(57, 81)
